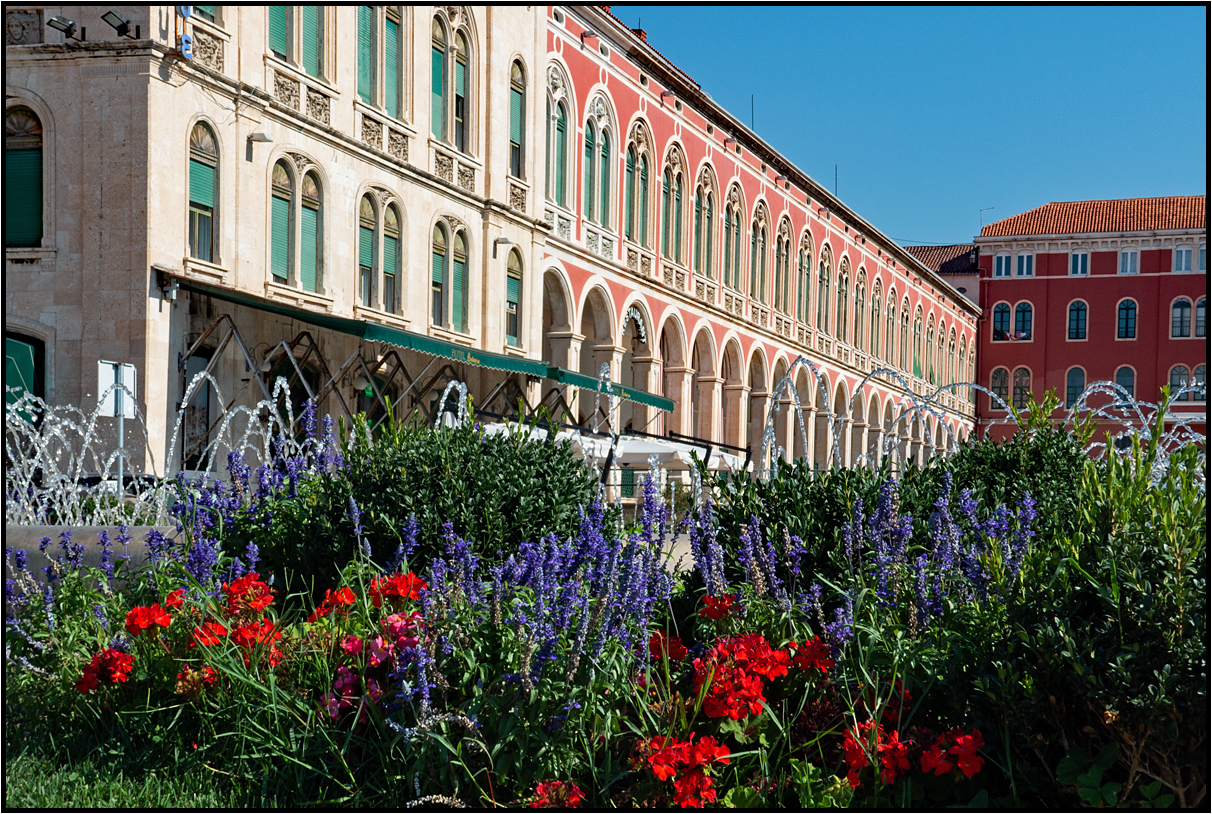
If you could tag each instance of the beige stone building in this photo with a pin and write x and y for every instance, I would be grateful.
(373, 201)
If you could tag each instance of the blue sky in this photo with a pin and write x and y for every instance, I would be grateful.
(932, 114)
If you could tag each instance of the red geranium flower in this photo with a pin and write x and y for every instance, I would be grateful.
(717, 607)
(247, 595)
(965, 750)
(812, 655)
(139, 619)
(557, 794)
(855, 746)
(396, 587)
(686, 763)
(332, 599)
(191, 682)
(934, 760)
(894, 757)
(255, 633)
(110, 666)
(735, 667)
(660, 645)
(208, 634)
(174, 600)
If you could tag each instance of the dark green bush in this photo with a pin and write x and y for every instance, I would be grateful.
(495, 490)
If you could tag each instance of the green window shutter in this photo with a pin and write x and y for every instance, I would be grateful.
(561, 158)
(279, 239)
(366, 247)
(391, 69)
(677, 221)
(458, 285)
(628, 193)
(389, 254)
(207, 12)
(515, 115)
(604, 181)
(23, 197)
(312, 38)
(460, 78)
(439, 268)
(278, 28)
(437, 86)
(20, 370)
(366, 54)
(643, 201)
(588, 168)
(512, 284)
(201, 183)
(309, 249)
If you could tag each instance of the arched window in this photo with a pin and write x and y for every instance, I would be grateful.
(1022, 387)
(517, 118)
(378, 67)
(557, 151)
(962, 370)
(890, 329)
(1022, 321)
(1201, 317)
(704, 216)
(1075, 383)
(458, 284)
(999, 383)
(604, 154)
(1180, 318)
(1179, 378)
(1077, 320)
(22, 178)
(843, 292)
(366, 251)
(642, 192)
(732, 241)
(391, 259)
(805, 281)
(757, 260)
(203, 188)
(393, 65)
(1199, 380)
(460, 92)
(672, 186)
(917, 345)
(589, 167)
(1001, 322)
(950, 362)
(905, 337)
(311, 238)
(1127, 320)
(629, 207)
(860, 309)
(875, 321)
(282, 222)
(708, 233)
(437, 108)
(513, 297)
(1125, 377)
(778, 275)
(438, 276)
(928, 362)
(367, 29)
(824, 272)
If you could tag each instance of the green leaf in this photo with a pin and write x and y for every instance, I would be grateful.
(742, 797)
(1072, 765)
(1106, 757)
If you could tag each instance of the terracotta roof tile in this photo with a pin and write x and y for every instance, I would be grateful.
(955, 259)
(1125, 215)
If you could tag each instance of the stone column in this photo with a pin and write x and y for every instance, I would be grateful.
(858, 440)
(732, 419)
(603, 353)
(711, 425)
(645, 371)
(758, 401)
(677, 387)
(565, 353)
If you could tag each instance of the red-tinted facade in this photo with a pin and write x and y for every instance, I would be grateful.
(1122, 300)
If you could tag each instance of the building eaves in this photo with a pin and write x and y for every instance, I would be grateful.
(1170, 213)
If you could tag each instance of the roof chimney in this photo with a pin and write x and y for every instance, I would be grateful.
(641, 33)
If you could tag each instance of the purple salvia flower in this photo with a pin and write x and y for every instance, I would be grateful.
(43, 544)
(107, 553)
(99, 613)
(21, 558)
(48, 604)
(253, 555)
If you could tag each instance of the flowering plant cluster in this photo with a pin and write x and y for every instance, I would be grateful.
(892, 753)
(686, 763)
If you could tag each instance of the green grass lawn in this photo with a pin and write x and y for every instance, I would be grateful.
(37, 781)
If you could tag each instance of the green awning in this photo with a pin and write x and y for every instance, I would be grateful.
(576, 379)
(371, 331)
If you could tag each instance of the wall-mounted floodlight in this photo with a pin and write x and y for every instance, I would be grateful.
(66, 26)
(778, 178)
(500, 241)
(665, 93)
(260, 138)
(588, 35)
(121, 24)
(729, 140)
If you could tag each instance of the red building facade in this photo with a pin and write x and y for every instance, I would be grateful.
(1080, 292)
(697, 262)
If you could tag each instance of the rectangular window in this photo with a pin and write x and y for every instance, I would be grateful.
(366, 264)
(515, 132)
(512, 289)
(1127, 262)
(1026, 265)
(1182, 260)
(1079, 264)
(1001, 265)
(313, 39)
(366, 54)
(279, 31)
(1077, 323)
(460, 106)
(391, 68)
(205, 12)
(390, 250)
(279, 262)
(438, 276)
(201, 210)
(1203, 259)
(437, 109)
(309, 249)
(1127, 322)
(23, 197)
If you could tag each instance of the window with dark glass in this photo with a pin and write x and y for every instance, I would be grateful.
(1075, 383)
(1180, 318)
(1077, 320)
(1022, 387)
(513, 296)
(999, 383)
(366, 251)
(1022, 321)
(1125, 377)
(1001, 322)
(1126, 328)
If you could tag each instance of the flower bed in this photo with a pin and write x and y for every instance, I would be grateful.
(906, 670)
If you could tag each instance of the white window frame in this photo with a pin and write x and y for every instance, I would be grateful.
(1181, 252)
(1025, 266)
(1001, 265)
(1203, 259)
(1084, 263)
(1129, 261)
